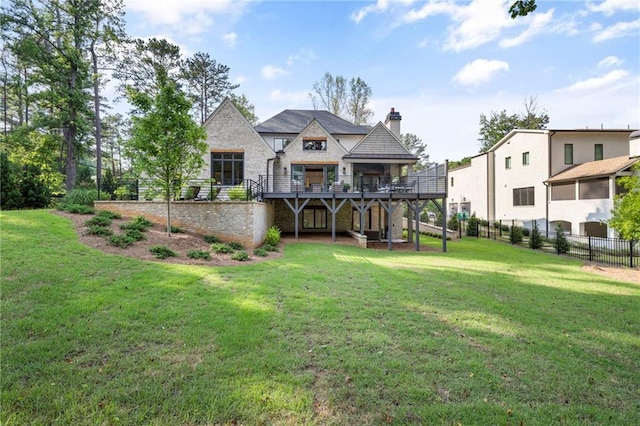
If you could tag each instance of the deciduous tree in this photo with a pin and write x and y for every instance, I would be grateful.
(331, 93)
(498, 125)
(245, 107)
(625, 216)
(415, 145)
(167, 146)
(358, 109)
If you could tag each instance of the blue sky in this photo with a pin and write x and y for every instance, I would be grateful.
(439, 63)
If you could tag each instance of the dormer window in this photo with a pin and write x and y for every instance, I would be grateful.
(314, 145)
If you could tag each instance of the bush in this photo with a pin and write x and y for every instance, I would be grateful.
(560, 243)
(238, 192)
(260, 252)
(35, 194)
(515, 235)
(269, 247)
(240, 256)
(109, 214)
(121, 241)
(76, 208)
(98, 221)
(472, 226)
(199, 254)
(212, 239)
(85, 197)
(235, 245)
(162, 252)
(526, 232)
(100, 231)
(535, 241)
(136, 234)
(142, 222)
(122, 193)
(10, 195)
(177, 230)
(453, 223)
(221, 248)
(273, 236)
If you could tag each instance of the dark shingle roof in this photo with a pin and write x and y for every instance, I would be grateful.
(293, 121)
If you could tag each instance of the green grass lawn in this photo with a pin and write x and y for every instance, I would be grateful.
(484, 334)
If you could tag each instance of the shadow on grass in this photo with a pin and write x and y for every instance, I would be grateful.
(326, 334)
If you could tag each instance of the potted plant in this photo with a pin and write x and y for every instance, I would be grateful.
(346, 187)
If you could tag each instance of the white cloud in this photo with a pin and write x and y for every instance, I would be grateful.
(306, 56)
(620, 29)
(240, 79)
(598, 82)
(290, 98)
(610, 61)
(378, 7)
(192, 16)
(479, 71)
(539, 22)
(270, 72)
(609, 7)
(231, 39)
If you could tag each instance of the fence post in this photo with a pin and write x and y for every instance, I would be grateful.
(501, 227)
(630, 253)
(477, 228)
(590, 251)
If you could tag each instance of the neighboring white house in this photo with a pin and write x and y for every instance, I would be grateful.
(548, 176)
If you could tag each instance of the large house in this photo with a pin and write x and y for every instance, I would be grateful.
(551, 177)
(321, 173)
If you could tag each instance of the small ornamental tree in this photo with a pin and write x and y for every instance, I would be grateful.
(560, 243)
(472, 226)
(535, 240)
(167, 146)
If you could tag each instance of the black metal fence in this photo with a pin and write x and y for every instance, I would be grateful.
(611, 251)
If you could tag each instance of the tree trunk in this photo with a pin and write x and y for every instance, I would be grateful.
(96, 111)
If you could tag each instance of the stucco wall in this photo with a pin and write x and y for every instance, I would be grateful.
(245, 222)
(470, 185)
(615, 144)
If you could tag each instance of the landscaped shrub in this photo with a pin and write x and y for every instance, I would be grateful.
(238, 192)
(162, 252)
(212, 239)
(85, 197)
(453, 223)
(100, 231)
(221, 248)
(472, 226)
(240, 256)
(273, 236)
(235, 245)
(199, 254)
(136, 234)
(260, 252)
(76, 208)
(560, 243)
(142, 221)
(35, 193)
(526, 232)
(176, 229)
(269, 247)
(122, 193)
(515, 235)
(98, 221)
(535, 241)
(109, 214)
(121, 241)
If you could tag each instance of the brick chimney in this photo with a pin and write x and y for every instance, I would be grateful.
(393, 122)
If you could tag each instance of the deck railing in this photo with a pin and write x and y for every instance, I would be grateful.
(348, 183)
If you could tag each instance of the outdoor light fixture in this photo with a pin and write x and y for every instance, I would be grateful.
(285, 170)
(344, 170)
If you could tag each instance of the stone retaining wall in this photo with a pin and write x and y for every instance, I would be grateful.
(246, 222)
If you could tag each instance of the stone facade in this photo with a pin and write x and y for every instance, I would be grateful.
(244, 221)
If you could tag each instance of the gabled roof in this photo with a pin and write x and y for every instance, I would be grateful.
(313, 124)
(594, 169)
(293, 121)
(380, 143)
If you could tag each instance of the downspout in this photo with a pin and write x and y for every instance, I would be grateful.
(268, 160)
(551, 133)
